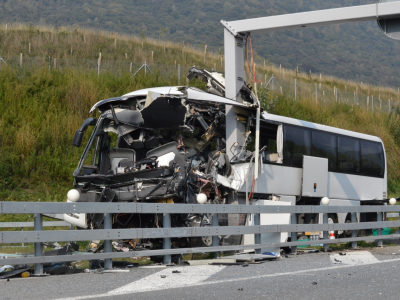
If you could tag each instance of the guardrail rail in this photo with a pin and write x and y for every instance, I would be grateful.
(39, 236)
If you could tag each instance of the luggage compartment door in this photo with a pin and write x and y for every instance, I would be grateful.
(315, 177)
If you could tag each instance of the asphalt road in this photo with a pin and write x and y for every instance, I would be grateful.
(361, 274)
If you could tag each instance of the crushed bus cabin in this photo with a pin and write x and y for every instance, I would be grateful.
(169, 145)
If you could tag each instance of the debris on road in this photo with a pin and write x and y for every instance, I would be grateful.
(58, 268)
(115, 271)
(17, 270)
(252, 257)
(25, 274)
(61, 250)
(336, 261)
(306, 251)
(6, 268)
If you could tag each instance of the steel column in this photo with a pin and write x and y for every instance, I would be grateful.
(107, 243)
(234, 80)
(293, 220)
(38, 226)
(354, 232)
(257, 236)
(325, 221)
(379, 219)
(167, 241)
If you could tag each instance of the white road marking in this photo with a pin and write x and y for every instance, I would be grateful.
(189, 276)
(354, 258)
(340, 266)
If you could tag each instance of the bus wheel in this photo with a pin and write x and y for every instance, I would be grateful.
(201, 241)
(348, 233)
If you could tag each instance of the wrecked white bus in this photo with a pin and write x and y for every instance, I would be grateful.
(168, 145)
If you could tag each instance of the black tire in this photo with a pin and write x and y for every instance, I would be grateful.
(347, 233)
(201, 241)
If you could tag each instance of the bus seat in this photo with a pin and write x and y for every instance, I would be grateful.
(272, 157)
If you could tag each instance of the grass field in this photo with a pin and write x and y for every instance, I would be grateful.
(41, 110)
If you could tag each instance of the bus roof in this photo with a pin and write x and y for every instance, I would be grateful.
(292, 121)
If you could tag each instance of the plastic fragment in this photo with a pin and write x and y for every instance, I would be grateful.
(25, 274)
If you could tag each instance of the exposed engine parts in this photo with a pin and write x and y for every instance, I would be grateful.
(163, 145)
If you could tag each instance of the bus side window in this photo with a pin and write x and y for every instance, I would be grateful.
(296, 143)
(268, 138)
(324, 145)
(372, 162)
(348, 154)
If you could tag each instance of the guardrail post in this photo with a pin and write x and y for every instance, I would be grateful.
(23, 244)
(293, 221)
(38, 226)
(107, 243)
(257, 236)
(325, 221)
(354, 232)
(167, 241)
(379, 219)
(215, 242)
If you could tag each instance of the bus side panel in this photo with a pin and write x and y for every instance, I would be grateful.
(354, 187)
(385, 191)
(284, 180)
(275, 179)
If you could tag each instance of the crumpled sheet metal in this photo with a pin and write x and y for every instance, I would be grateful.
(179, 155)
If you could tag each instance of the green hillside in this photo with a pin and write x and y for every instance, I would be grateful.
(356, 51)
(42, 104)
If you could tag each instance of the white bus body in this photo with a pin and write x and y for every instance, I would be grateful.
(282, 179)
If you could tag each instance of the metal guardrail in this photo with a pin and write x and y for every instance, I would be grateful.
(23, 225)
(392, 215)
(31, 224)
(38, 236)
